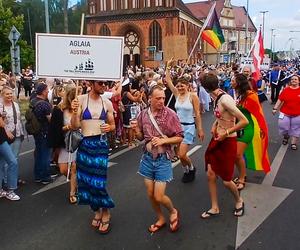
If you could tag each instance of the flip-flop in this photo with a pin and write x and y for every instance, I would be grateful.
(103, 223)
(208, 215)
(176, 220)
(238, 212)
(155, 227)
(241, 187)
(96, 223)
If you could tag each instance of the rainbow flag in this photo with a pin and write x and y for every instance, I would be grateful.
(212, 33)
(256, 154)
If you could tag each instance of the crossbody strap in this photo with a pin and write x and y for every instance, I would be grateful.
(155, 123)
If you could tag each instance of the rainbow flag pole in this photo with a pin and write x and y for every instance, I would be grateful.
(211, 31)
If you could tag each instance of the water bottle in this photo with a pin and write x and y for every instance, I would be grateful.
(133, 112)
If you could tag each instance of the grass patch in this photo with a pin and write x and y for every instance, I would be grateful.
(23, 103)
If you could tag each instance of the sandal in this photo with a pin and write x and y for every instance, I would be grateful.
(21, 182)
(175, 228)
(104, 223)
(174, 159)
(73, 199)
(238, 212)
(96, 222)
(156, 227)
(240, 185)
(285, 140)
(294, 146)
(207, 215)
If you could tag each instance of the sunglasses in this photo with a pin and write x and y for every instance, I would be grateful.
(102, 83)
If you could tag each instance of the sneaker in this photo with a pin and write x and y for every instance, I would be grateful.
(192, 174)
(12, 196)
(37, 180)
(185, 177)
(54, 175)
(3, 193)
(46, 182)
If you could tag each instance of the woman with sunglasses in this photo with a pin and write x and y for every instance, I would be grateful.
(188, 110)
(94, 115)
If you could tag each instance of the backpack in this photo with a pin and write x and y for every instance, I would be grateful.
(32, 124)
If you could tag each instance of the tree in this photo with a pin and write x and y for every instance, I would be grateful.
(66, 24)
(7, 20)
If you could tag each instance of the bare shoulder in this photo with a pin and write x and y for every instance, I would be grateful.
(82, 98)
(107, 104)
(227, 101)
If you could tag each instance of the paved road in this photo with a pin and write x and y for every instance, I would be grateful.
(46, 220)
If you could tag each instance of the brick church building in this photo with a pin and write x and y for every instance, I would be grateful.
(154, 30)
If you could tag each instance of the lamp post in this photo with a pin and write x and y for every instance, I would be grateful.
(272, 30)
(263, 24)
(274, 36)
(247, 27)
(47, 16)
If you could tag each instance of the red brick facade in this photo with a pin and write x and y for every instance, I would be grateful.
(166, 24)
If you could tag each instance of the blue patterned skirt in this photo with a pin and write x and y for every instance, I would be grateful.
(92, 162)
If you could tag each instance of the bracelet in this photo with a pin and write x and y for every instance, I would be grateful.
(168, 68)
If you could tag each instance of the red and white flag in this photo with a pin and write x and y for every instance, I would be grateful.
(257, 53)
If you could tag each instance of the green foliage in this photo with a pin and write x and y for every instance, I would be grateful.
(29, 15)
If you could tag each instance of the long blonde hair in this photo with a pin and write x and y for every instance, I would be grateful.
(69, 96)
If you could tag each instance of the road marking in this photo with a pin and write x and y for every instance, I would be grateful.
(261, 200)
(193, 150)
(26, 152)
(269, 179)
(61, 180)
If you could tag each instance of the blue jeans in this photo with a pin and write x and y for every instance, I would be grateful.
(7, 156)
(15, 147)
(41, 158)
(159, 169)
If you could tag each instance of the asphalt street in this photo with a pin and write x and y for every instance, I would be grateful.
(43, 219)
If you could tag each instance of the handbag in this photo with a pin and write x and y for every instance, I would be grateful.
(72, 140)
(14, 132)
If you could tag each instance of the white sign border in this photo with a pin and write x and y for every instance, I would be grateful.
(79, 36)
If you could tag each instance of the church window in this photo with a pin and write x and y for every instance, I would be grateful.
(124, 4)
(102, 5)
(135, 3)
(155, 35)
(169, 3)
(182, 29)
(92, 8)
(158, 2)
(113, 4)
(147, 3)
(104, 30)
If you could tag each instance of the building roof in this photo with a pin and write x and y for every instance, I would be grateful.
(201, 10)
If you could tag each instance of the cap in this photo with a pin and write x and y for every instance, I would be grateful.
(40, 88)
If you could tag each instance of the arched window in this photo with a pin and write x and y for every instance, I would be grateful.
(155, 35)
(182, 29)
(104, 30)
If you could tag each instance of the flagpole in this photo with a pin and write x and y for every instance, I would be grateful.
(201, 31)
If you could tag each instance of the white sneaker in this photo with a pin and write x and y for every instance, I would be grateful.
(12, 196)
(3, 193)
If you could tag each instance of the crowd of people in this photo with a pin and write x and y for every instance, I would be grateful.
(77, 124)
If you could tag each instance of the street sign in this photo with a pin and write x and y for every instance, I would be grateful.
(14, 35)
(15, 59)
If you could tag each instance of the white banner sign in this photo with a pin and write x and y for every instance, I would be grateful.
(249, 62)
(79, 57)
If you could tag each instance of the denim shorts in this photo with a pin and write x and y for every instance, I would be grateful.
(159, 169)
(189, 132)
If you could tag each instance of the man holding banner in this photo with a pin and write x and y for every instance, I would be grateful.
(94, 115)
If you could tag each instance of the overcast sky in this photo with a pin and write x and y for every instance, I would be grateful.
(283, 16)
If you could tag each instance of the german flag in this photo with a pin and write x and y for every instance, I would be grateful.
(212, 33)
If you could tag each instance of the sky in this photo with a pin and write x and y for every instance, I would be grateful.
(283, 16)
